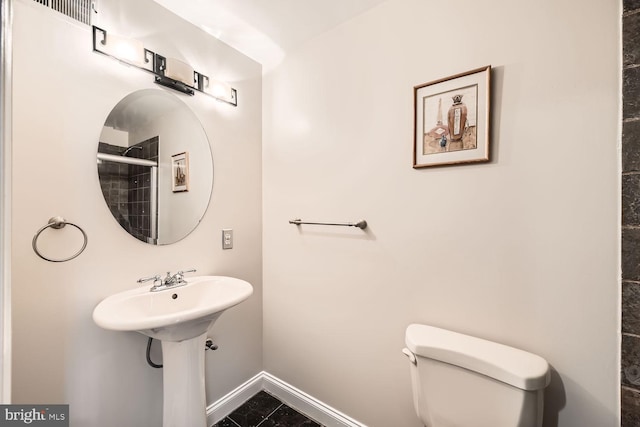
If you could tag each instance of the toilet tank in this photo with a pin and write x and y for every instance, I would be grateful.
(463, 381)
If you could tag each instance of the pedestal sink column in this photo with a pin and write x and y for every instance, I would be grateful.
(183, 378)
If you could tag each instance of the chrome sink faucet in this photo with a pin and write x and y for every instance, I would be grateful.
(170, 281)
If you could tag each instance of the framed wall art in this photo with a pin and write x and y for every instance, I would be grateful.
(451, 121)
(180, 172)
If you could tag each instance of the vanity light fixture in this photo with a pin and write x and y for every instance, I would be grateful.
(168, 72)
(216, 88)
(123, 49)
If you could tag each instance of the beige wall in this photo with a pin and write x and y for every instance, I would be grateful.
(522, 250)
(62, 94)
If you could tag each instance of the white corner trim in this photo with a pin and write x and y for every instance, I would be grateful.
(219, 409)
(297, 399)
(6, 79)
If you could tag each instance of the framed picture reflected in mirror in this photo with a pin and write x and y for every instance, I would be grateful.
(180, 172)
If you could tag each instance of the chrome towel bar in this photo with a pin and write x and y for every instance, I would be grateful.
(57, 222)
(362, 224)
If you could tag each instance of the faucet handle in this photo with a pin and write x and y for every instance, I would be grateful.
(180, 275)
(148, 279)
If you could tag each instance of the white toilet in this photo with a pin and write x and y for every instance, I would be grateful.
(463, 381)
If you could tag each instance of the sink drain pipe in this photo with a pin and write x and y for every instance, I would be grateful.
(208, 345)
(153, 365)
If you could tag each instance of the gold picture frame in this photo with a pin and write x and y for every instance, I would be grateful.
(451, 120)
(180, 172)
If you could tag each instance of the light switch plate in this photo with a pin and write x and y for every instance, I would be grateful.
(227, 239)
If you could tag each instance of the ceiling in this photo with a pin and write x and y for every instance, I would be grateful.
(265, 30)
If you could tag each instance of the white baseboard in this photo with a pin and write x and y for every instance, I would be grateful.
(218, 410)
(310, 406)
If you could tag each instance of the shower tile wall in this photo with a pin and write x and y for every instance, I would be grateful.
(126, 188)
(630, 352)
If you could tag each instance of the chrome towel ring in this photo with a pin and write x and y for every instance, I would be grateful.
(58, 222)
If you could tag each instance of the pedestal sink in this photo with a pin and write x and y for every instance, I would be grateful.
(179, 317)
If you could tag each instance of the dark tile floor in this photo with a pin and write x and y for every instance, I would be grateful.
(264, 410)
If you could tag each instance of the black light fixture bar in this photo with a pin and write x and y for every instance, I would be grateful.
(174, 84)
(157, 65)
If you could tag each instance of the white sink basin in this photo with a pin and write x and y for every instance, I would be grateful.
(180, 317)
(173, 314)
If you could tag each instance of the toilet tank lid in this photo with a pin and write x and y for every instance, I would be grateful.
(510, 365)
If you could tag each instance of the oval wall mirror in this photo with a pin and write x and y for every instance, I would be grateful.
(155, 166)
